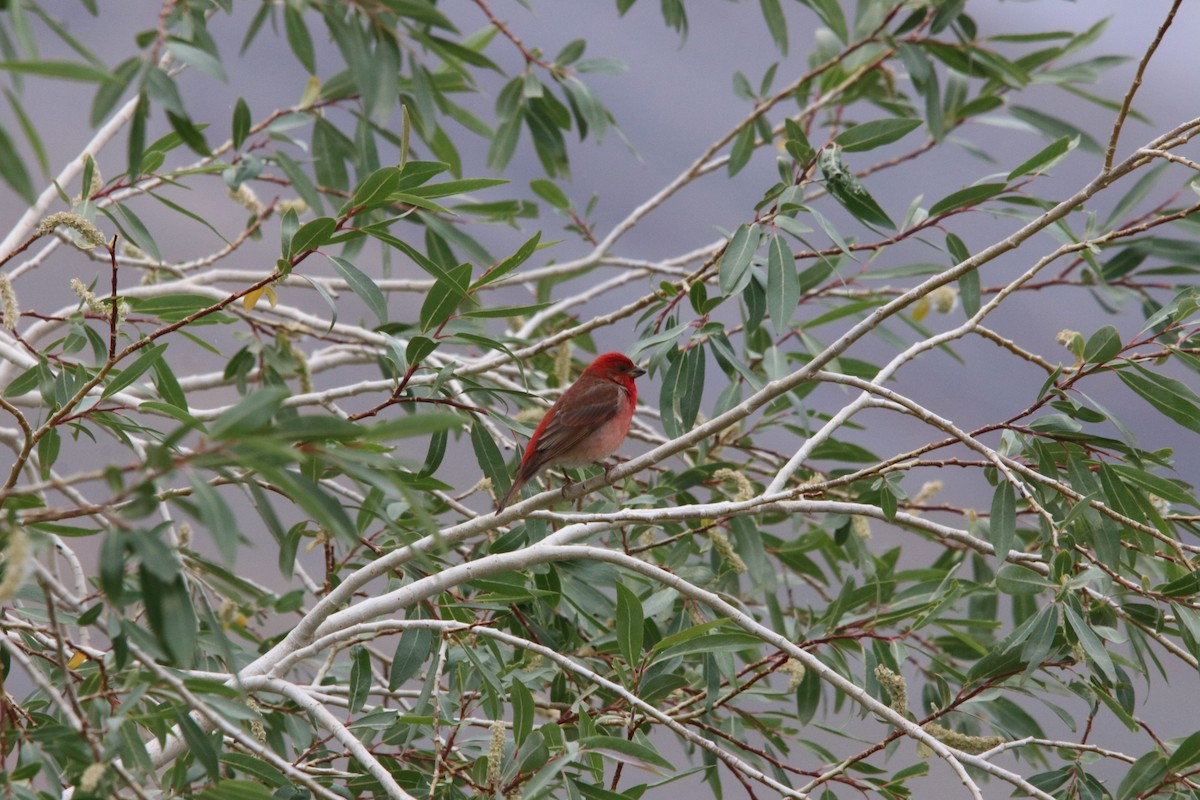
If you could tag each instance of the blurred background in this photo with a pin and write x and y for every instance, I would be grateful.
(674, 99)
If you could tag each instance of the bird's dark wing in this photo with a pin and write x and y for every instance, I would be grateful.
(582, 409)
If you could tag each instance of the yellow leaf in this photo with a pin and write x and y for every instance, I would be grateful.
(274, 298)
(312, 90)
(920, 309)
(76, 660)
(251, 299)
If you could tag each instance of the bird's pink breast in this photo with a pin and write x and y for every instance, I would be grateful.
(602, 442)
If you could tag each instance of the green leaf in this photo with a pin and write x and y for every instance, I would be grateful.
(48, 450)
(444, 297)
(362, 286)
(250, 414)
(239, 789)
(1042, 630)
(523, 710)
(149, 357)
(729, 642)
(503, 312)
(1146, 773)
(849, 191)
(972, 195)
(630, 625)
(737, 256)
(374, 191)
(623, 750)
(1055, 128)
(797, 144)
(875, 133)
(135, 230)
(312, 235)
(1186, 754)
(12, 168)
(411, 425)
(299, 38)
(170, 614)
(509, 264)
(360, 678)
(418, 348)
(241, 123)
(1014, 579)
(1002, 527)
(200, 744)
(412, 650)
(64, 70)
(776, 23)
(1168, 396)
(1103, 345)
(216, 517)
(136, 147)
(549, 191)
(300, 182)
(491, 461)
(1091, 644)
(196, 58)
(742, 150)
(1045, 158)
(783, 285)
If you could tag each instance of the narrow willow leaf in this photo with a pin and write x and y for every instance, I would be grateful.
(362, 286)
(299, 38)
(253, 412)
(135, 230)
(216, 517)
(737, 256)
(170, 614)
(1091, 644)
(743, 148)
(1002, 526)
(1102, 345)
(549, 191)
(623, 751)
(63, 70)
(1186, 754)
(968, 292)
(491, 461)
(1045, 158)
(197, 58)
(1015, 579)
(783, 285)
(200, 744)
(876, 133)
(444, 297)
(970, 196)
(313, 234)
(412, 651)
(12, 168)
(241, 123)
(1168, 396)
(776, 23)
(845, 187)
(630, 625)
(1042, 630)
(360, 678)
(523, 711)
(374, 191)
(149, 357)
(1146, 773)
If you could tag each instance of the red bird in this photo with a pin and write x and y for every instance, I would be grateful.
(587, 424)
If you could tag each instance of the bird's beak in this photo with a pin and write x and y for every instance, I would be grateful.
(637, 372)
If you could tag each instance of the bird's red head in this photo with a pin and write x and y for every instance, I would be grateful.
(614, 367)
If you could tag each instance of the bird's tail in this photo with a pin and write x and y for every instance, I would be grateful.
(512, 492)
